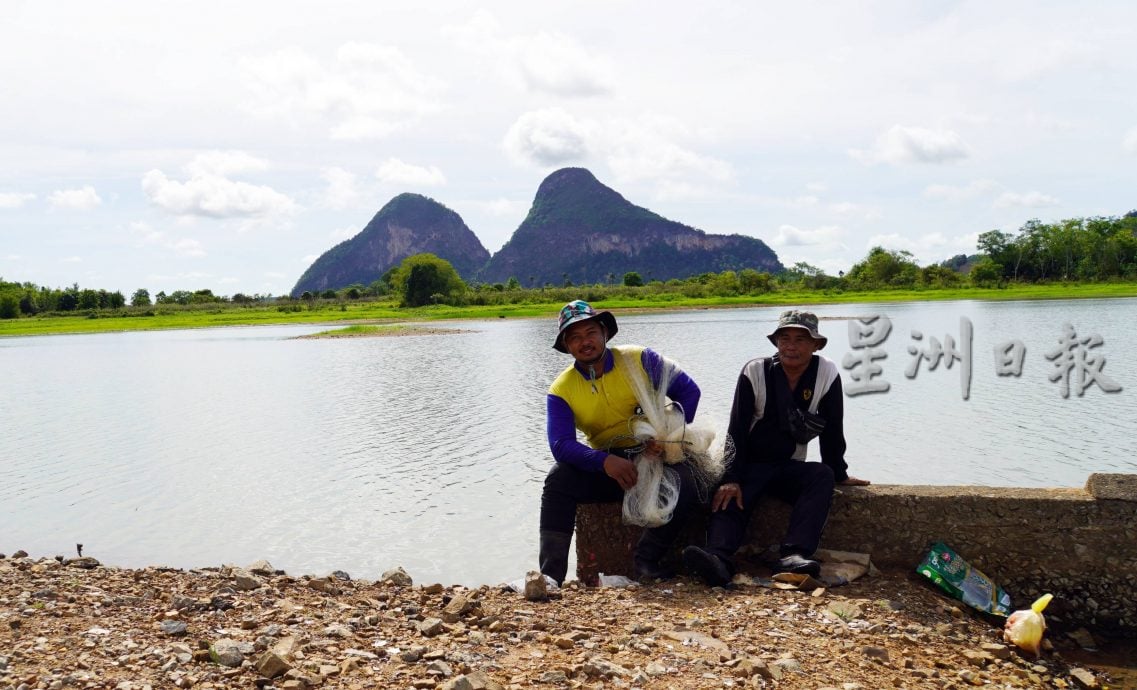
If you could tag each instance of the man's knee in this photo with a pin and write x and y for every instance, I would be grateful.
(819, 476)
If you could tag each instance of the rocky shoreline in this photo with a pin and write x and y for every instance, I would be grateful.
(74, 623)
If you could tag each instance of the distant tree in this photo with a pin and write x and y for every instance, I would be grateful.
(985, 273)
(9, 306)
(329, 294)
(513, 283)
(353, 292)
(885, 268)
(633, 279)
(241, 298)
(115, 300)
(140, 298)
(425, 278)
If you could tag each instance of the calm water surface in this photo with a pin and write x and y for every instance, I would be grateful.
(203, 447)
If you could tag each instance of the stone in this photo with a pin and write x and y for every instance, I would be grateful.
(244, 581)
(261, 567)
(325, 585)
(535, 587)
(459, 683)
(456, 607)
(1115, 487)
(430, 627)
(226, 652)
(270, 665)
(654, 668)
(172, 628)
(996, 650)
(439, 667)
(1084, 679)
(597, 666)
(1084, 639)
(86, 563)
(553, 678)
(878, 653)
(435, 588)
(397, 576)
(340, 575)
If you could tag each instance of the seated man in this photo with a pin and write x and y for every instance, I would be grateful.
(595, 396)
(780, 404)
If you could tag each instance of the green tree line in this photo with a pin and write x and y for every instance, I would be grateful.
(1083, 249)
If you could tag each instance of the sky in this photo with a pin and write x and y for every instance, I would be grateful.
(225, 145)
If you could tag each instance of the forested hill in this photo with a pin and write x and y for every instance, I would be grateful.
(408, 224)
(582, 231)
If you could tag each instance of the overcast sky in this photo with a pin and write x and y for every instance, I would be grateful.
(225, 145)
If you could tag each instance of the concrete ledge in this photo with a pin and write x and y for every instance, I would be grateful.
(1080, 545)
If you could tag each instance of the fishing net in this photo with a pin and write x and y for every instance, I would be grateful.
(652, 501)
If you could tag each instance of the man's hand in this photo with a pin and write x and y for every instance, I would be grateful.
(653, 448)
(854, 481)
(622, 470)
(725, 494)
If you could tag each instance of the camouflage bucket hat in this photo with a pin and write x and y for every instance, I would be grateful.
(578, 311)
(806, 320)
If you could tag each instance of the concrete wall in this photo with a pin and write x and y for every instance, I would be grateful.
(1078, 544)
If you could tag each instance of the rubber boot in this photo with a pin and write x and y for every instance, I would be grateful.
(554, 554)
(647, 561)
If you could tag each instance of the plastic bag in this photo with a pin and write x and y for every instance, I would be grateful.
(955, 576)
(1024, 628)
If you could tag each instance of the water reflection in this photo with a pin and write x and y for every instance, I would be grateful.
(227, 445)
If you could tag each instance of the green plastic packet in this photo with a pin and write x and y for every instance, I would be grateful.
(955, 576)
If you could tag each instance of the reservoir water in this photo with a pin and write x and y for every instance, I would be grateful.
(202, 447)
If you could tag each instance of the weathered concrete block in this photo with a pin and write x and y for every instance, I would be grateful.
(1080, 545)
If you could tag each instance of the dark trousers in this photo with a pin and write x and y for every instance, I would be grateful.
(567, 486)
(807, 486)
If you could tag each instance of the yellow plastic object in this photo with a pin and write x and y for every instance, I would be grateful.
(1024, 628)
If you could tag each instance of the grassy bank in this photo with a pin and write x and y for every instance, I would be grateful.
(537, 303)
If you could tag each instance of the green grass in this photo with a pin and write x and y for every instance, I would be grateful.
(359, 330)
(369, 313)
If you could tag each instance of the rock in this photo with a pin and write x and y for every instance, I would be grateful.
(338, 630)
(270, 665)
(435, 588)
(430, 627)
(261, 567)
(459, 683)
(597, 666)
(325, 585)
(439, 667)
(244, 581)
(456, 607)
(1084, 639)
(20, 554)
(480, 681)
(397, 576)
(878, 653)
(226, 652)
(654, 668)
(172, 628)
(1084, 679)
(996, 650)
(535, 586)
(340, 575)
(86, 563)
(553, 678)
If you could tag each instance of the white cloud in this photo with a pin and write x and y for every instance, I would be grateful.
(930, 247)
(1129, 143)
(650, 148)
(543, 62)
(71, 260)
(368, 92)
(396, 172)
(556, 64)
(791, 236)
(224, 163)
(14, 199)
(342, 191)
(946, 192)
(1026, 199)
(341, 234)
(547, 137)
(82, 199)
(215, 197)
(901, 145)
(504, 207)
(188, 247)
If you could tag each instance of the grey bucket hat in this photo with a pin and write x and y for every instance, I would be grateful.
(805, 320)
(577, 311)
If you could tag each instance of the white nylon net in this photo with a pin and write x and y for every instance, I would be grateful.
(652, 501)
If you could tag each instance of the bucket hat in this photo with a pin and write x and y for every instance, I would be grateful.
(805, 320)
(578, 311)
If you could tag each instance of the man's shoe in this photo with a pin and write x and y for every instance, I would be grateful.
(709, 567)
(646, 571)
(796, 563)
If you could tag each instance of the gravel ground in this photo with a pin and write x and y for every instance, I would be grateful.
(77, 624)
